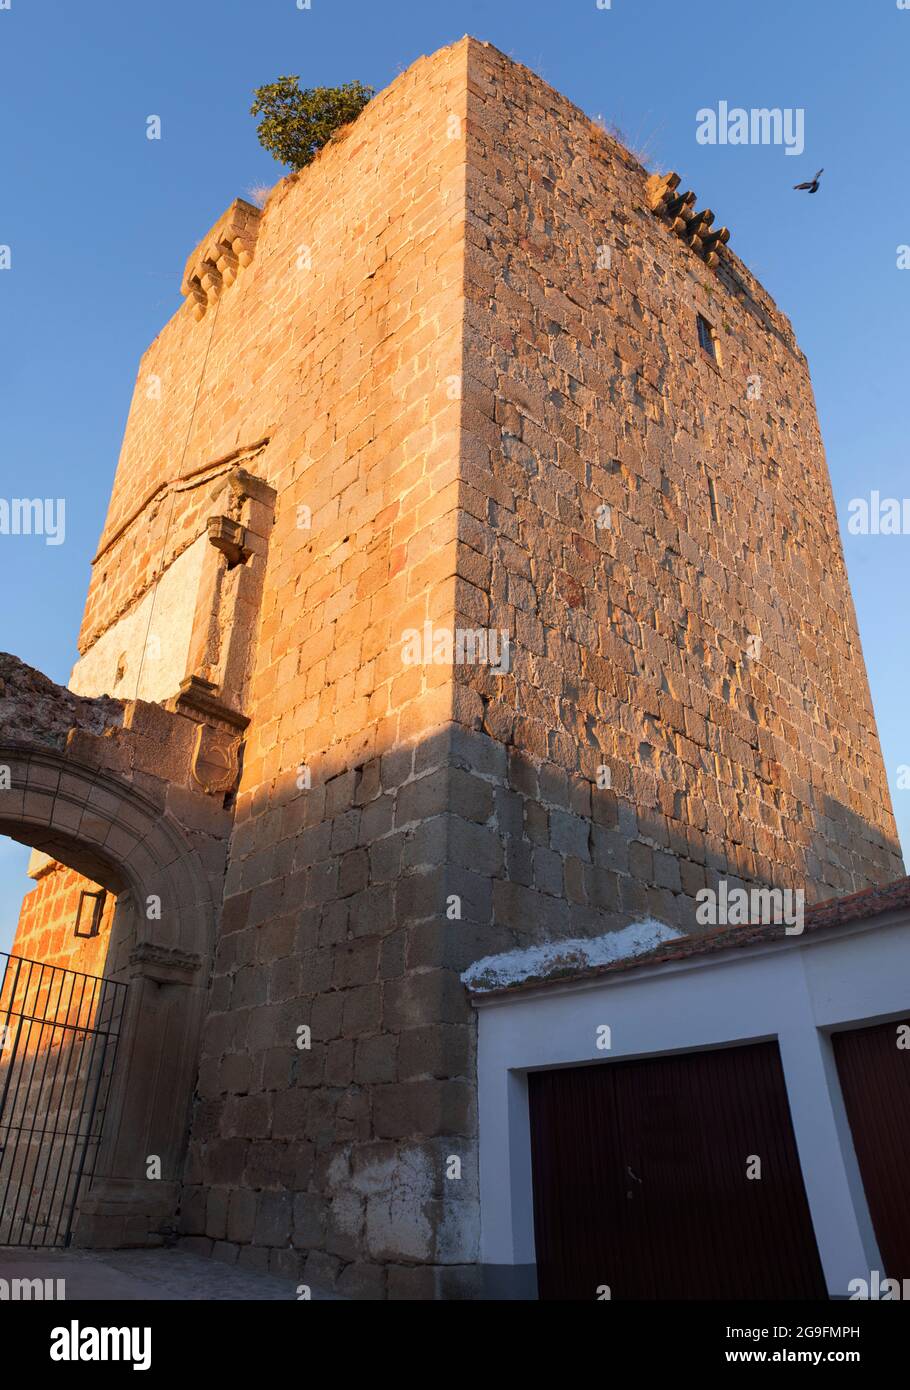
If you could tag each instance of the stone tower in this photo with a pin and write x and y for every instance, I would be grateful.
(476, 496)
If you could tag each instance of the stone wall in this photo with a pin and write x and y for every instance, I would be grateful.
(654, 528)
(46, 930)
(330, 1160)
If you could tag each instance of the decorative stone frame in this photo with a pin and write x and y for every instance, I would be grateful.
(126, 840)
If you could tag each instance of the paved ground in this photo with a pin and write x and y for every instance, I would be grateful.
(144, 1274)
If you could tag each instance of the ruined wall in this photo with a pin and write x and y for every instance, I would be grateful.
(131, 797)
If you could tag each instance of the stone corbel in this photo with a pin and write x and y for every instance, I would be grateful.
(165, 965)
(227, 536)
(223, 252)
(678, 211)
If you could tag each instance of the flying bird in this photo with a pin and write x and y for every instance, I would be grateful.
(812, 186)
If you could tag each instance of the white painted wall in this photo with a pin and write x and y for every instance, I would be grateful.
(793, 991)
(161, 622)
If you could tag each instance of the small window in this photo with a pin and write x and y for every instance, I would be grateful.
(706, 337)
(90, 912)
(712, 495)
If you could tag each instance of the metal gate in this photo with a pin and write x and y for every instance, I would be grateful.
(58, 1040)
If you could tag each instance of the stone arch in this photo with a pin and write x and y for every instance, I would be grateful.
(108, 829)
(117, 828)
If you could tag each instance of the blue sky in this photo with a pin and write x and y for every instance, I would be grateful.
(100, 221)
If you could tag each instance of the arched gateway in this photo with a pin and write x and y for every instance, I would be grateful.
(113, 791)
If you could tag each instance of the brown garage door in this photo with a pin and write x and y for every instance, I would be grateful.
(640, 1180)
(875, 1080)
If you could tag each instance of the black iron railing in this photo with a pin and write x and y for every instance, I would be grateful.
(58, 1040)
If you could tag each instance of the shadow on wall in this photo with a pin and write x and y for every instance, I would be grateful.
(529, 852)
(351, 908)
(843, 845)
